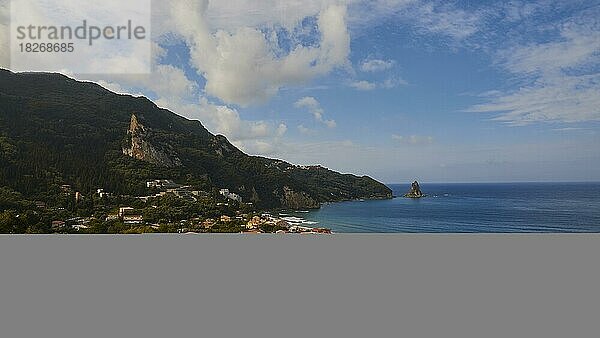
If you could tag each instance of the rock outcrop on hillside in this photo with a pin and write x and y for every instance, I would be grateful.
(298, 200)
(141, 149)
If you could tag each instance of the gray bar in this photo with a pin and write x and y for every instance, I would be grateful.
(300, 286)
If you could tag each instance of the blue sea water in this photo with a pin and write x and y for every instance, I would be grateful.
(470, 208)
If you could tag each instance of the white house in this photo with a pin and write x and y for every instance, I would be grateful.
(133, 219)
(230, 195)
(102, 193)
(125, 210)
(161, 184)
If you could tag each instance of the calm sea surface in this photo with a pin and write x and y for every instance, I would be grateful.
(451, 208)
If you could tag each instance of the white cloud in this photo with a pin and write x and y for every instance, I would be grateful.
(232, 14)
(118, 88)
(308, 102)
(330, 123)
(570, 99)
(562, 80)
(363, 85)
(444, 20)
(170, 81)
(303, 130)
(393, 83)
(376, 65)
(256, 147)
(281, 130)
(227, 121)
(424, 17)
(243, 66)
(386, 84)
(253, 137)
(314, 107)
(577, 46)
(166, 82)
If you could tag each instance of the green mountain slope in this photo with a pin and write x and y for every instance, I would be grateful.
(55, 130)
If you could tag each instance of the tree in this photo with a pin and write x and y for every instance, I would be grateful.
(9, 222)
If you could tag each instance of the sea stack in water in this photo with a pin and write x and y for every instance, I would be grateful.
(415, 191)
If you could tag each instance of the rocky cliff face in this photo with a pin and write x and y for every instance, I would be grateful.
(298, 200)
(415, 191)
(140, 148)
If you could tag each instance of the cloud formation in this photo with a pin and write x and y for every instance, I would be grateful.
(244, 66)
(422, 17)
(389, 83)
(376, 65)
(444, 19)
(314, 107)
(363, 85)
(562, 79)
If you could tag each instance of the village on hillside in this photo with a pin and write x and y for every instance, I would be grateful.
(171, 208)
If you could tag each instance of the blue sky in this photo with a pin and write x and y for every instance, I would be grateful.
(440, 91)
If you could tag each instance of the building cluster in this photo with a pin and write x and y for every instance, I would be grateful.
(161, 184)
(75, 223)
(165, 187)
(168, 187)
(283, 225)
(230, 195)
(251, 224)
(130, 216)
(127, 215)
(69, 191)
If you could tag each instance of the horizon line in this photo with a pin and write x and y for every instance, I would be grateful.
(493, 182)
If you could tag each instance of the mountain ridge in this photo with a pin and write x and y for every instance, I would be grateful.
(56, 130)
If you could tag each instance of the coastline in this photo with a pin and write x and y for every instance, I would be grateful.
(471, 208)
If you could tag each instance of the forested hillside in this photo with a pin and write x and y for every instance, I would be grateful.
(56, 131)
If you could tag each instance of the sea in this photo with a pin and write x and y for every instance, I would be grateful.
(466, 208)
